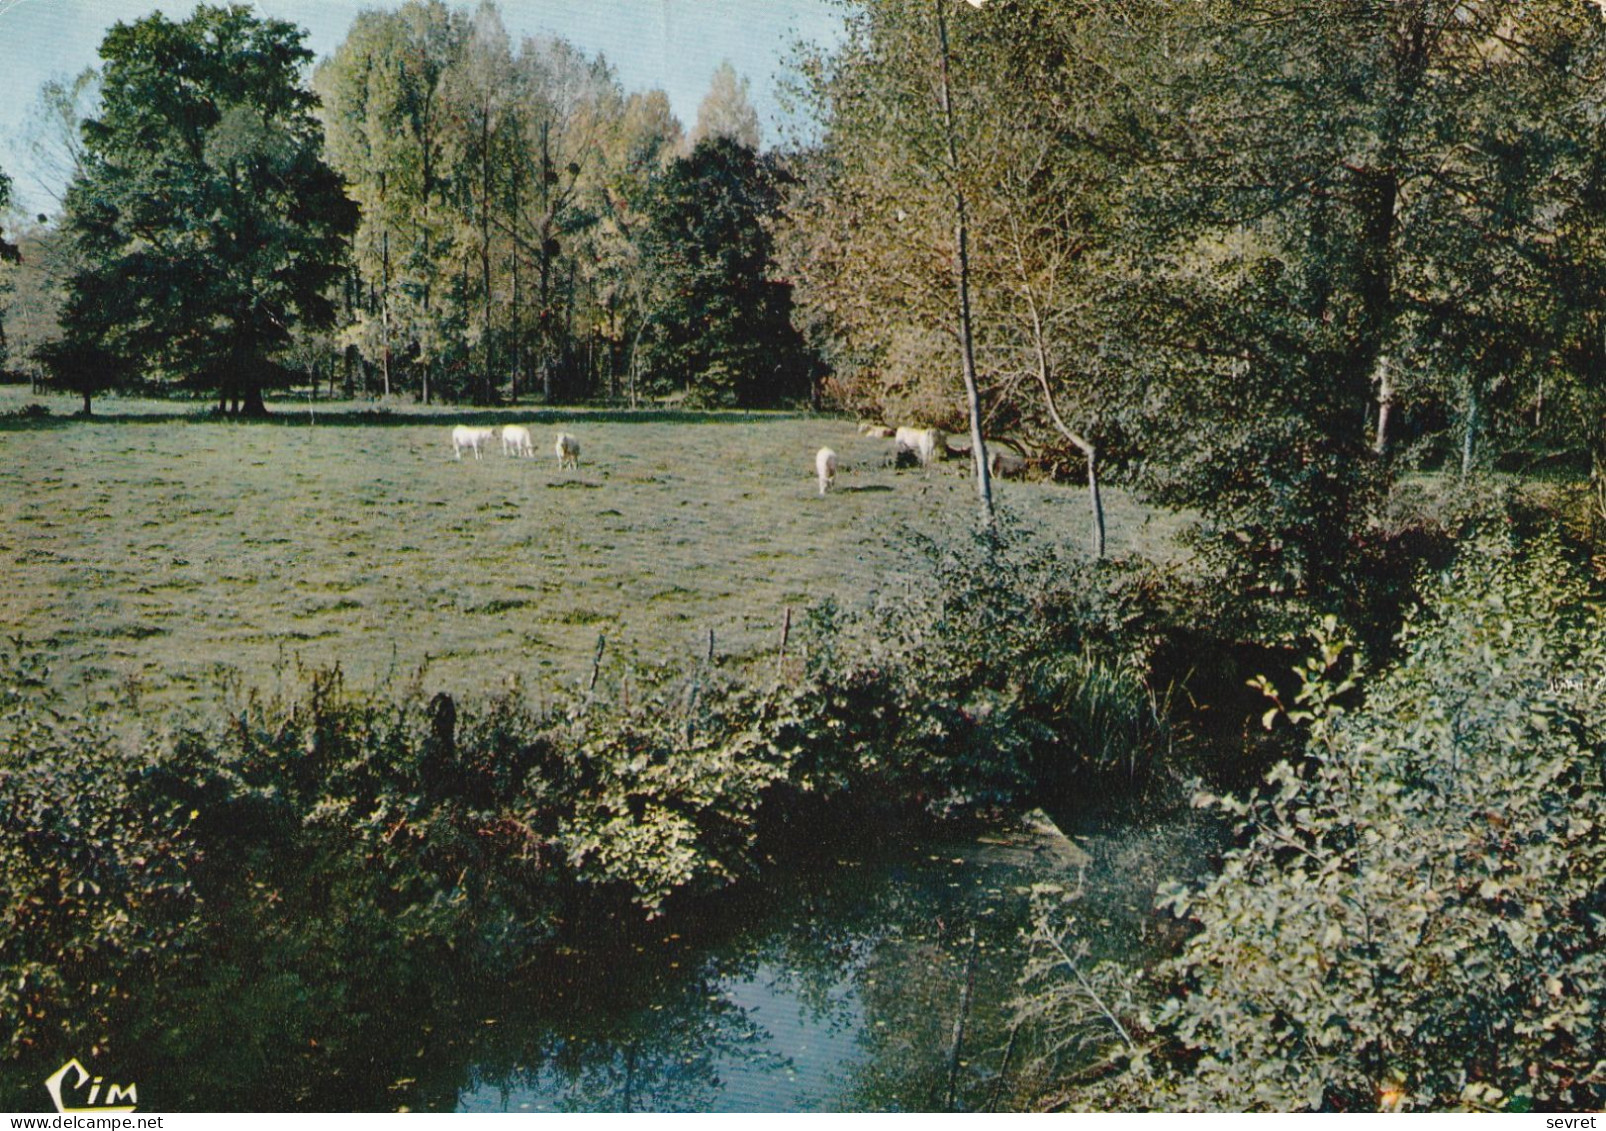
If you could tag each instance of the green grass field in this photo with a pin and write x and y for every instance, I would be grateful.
(156, 557)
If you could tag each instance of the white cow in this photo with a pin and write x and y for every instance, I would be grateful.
(825, 468)
(925, 444)
(516, 441)
(905, 440)
(568, 449)
(475, 439)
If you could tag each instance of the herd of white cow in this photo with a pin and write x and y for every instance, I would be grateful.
(516, 441)
(922, 444)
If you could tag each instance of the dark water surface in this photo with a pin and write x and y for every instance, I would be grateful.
(830, 985)
(837, 989)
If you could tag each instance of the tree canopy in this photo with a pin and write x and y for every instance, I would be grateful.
(1245, 258)
(208, 223)
(726, 110)
(722, 327)
(502, 187)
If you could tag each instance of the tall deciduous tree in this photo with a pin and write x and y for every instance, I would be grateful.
(636, 152)
(499, 191)
(571, 108)
(484, 152)
(54, 129)
(387, 123)
(1052, 142)
(1570, 260)
(37, 291)
(901, 161)
(208, 221)
(1237, 242)
(727, 111)
(723, 329)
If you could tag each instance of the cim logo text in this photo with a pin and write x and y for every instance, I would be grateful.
(73, 1077)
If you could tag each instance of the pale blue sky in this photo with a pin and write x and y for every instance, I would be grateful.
(673, 44)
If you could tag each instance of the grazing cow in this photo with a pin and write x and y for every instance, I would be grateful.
(476, 439)
(905, 442)
(568, 449)
(516, 441)
(825, 468)
(1006, 464)
(925, 444)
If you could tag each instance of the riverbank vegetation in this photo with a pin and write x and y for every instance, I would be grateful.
(1322, 283)
(1412, 919)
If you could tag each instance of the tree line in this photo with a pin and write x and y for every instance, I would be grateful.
(431, 211)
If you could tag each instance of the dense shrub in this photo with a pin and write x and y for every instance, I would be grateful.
(1010, 669)
(96, 873)
(1415, 917)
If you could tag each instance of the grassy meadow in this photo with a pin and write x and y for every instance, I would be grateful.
(159, 558)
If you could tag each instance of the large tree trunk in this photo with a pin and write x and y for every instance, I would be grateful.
(1385, 405)
(1378, 194)
(248, 373)
(384, 313)
(1469, 430)
(251, 403)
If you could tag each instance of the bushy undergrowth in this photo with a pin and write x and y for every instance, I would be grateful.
(1012, 669)
(280, 858)
(1416, 915)
(95, 870)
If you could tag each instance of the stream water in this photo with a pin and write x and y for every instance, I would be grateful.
(835, 989)
(832, 985)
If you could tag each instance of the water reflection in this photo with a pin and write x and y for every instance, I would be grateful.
(834, 985)
(839, 991)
